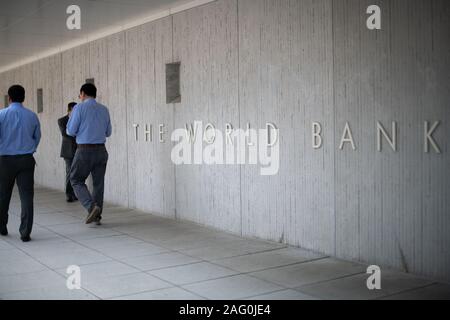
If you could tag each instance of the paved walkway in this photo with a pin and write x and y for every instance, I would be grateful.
(135, 255)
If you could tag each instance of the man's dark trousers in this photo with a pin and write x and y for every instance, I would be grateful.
(89, 160)
(68, 149)
(18, 169)
(70, 194)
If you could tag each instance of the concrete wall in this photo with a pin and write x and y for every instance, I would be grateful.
(206, 43)
(151, 173)
(291, 63)
(392, 207)
(286, 65)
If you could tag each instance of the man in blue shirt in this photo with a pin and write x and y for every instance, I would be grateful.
(90, 124)
(20, 133)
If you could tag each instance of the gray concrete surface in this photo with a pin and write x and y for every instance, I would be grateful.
(135, 255)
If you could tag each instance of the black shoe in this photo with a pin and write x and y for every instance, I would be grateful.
(71, 198)
(99, 218)
(25, 239)
(93, 214)
(4, 231)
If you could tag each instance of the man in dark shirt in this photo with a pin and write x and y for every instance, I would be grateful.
(68, 149)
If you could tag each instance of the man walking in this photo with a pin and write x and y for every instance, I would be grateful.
(90, 123)
(68, 149)
(20, 134)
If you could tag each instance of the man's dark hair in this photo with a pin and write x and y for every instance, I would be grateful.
(89, 89)
(70, 106)
(16, 93)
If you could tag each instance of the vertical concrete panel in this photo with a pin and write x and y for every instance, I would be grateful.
(151, 173)
(285, 69)
(4, 85)
(399, 176)
(116, 190)
(22, 76)
(354, 173)
(433, 98)
(7, 80)
(205, 42)
(134, 102)
(75, 70)
(98, 68)
(3, 91)
(47, 75)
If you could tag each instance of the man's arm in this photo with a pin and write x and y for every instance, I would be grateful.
(108, 127)
(37, 132)
(2, 120)
(62, 127)
(74, 123)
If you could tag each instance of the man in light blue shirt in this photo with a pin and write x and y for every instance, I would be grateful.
(20, 131)
(90, 124)
(20, 134)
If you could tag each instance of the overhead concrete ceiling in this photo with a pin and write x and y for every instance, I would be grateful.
(32, 29)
